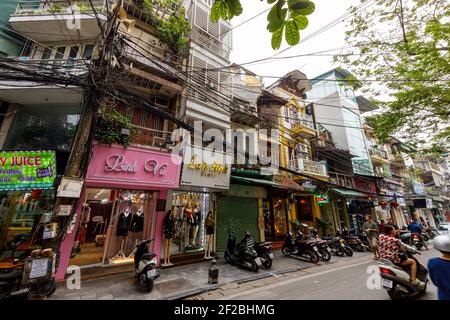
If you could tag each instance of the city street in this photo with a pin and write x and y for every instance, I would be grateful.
(332, 282)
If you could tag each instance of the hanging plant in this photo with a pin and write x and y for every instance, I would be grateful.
(109, 127)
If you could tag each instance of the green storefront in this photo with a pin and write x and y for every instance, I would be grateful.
(240, 210)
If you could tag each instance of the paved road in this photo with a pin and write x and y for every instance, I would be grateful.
(334, 282)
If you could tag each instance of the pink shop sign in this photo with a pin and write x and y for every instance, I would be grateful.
(118, 167)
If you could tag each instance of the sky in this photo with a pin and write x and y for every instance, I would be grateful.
(251, 41)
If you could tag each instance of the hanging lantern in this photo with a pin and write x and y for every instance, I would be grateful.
(394, 204)
(383, 204)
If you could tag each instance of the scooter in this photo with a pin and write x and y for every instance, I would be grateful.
(337, 246)
(322, 246)
(352, 241)
(264, 251)
(300, 248)
(145, 266)
(242, 254)
(395, 279)
(10, 283)
(417, 240)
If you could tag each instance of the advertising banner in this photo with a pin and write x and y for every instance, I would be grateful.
(25, 170)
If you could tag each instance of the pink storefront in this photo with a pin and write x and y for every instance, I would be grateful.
(123, 202)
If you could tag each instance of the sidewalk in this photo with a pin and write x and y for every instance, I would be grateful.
(184, 281)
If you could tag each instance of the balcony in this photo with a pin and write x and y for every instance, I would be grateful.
(146, 137)
(27, 92)
(342, 180)
(303, 125)
(214, 37)
(309, 167)
(378, 156)
(58, 20)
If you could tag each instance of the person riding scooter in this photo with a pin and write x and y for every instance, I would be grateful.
(440, 267)
(416, 228)
(392, 249)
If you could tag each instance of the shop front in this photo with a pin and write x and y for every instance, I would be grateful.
(27, 195)
(122, 203)
(193, 207)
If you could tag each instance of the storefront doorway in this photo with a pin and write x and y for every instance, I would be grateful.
(191, 210)
(113, 221)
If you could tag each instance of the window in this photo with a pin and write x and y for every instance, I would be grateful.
(158, 124)
(46, 54)
(73, 54)
(88, 51)
(59, 55)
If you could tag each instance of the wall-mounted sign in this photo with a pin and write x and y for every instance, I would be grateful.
(118, 167)
(25, 170)
(308, 185)
(64, 210)
(429, 203)
(204, 168)
(321, 198)
(418, 188)
(70, 187)
(286, 183)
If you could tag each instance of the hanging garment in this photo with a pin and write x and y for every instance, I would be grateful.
(169, 226)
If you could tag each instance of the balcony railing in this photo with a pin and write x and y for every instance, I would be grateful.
(378, 152)
(67, 65)
(309, 167)
(343, 180)
(36, 7)
(151, 137)
(303, 120)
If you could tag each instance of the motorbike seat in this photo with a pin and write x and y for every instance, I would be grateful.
(10, 275)
(148, 256)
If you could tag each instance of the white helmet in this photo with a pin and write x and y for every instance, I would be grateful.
(442, 243)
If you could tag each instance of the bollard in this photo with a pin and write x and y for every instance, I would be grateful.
(213, 273)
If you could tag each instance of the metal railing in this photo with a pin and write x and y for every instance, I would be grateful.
(69, 65)
(340, 179)
(151, 137)
(308, 166)
(163, 55)
(303, 120)
(36, 7)
(378, 152)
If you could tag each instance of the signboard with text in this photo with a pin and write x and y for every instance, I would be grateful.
(25, 170)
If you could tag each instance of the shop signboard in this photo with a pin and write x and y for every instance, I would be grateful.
(206, 168)
(308, 185)
(138, 168)
(25, 170)
(321, 199)
(429, 203)
(418, 188)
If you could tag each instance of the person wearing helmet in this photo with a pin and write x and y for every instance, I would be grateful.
(439, 268)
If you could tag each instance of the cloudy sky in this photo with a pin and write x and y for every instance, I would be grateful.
(251, 40)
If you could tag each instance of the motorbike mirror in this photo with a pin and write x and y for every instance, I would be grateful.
(15, 261)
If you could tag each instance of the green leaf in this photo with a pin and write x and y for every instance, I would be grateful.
(277, 36)
(291, 33)
(234, 8)
(276, 23)
(279, 6)
(302, 7)
(300, 21)
(271, 1)
(216, 10)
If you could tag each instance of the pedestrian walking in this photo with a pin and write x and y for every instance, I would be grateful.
(371, 229)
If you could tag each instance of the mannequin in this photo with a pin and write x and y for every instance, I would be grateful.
(136, 227)
(123, 223)
(197, 220)
(188, 221)
(210, 228)
(168, 231)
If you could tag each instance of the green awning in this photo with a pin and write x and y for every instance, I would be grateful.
(348, 193)
(253, 181)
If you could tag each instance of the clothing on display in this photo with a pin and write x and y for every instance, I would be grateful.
(210, 226)
(169, 226)
(123, 223)
(137, 222)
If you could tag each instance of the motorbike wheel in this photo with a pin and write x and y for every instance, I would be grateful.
(360, 248)
(150, 284)
(254, 265)
(325, 255)
(51, 288)
(267, 261)
(228, 258)
(313, 256)
(348, 251)
(339, 251)
(286, 251)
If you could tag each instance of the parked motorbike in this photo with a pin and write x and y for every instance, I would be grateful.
(242, 254)
(351, 241)
(145, 266)
(337, 246)
(10, 282)
(323, 250)
(395, 279)
(305, 249)
(264, 252)
(362, 236)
